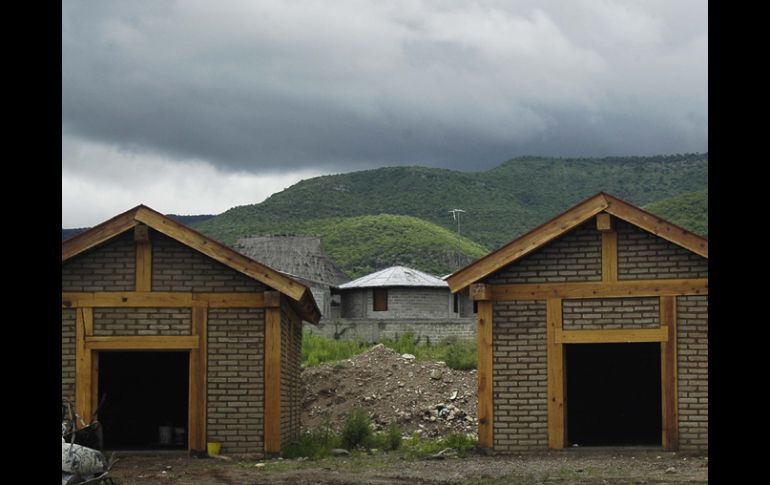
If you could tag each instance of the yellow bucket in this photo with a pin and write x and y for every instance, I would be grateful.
(214, 447)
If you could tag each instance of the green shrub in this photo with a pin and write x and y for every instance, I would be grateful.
(459, 442)
(357, 430)
(392, 436)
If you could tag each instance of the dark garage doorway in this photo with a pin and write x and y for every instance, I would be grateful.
(146, 405)
(613, 394)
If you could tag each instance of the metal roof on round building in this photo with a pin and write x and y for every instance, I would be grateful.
(395, 276)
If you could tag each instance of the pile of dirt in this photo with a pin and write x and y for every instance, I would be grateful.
(421, 396)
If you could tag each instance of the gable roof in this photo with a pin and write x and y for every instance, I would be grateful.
(305, 304)
(567, 221)
(395, 276)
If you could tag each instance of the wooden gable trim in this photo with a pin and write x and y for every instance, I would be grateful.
(567, 221)
(660, 227)
(220, 253)
(306, 307)
(527, 243)
(98, 234)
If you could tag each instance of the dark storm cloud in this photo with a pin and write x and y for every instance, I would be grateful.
(342, 85)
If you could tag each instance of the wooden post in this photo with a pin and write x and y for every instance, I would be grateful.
(143, 258)
(84, 366)
(486, 398)
(197, 394)
(272, 373)
(556, 380)
(668, 376)
(609, 248)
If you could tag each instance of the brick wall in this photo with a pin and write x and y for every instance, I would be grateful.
(642, 255)
(142, 321)
(611, 313)
(176, 267)
(236, 340)
(109, 267)
(520, 388)
(291, 383)
(68, 354)
(692, 364)
(575, 256)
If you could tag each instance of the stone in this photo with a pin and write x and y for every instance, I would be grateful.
(670, 470)
(407, 356)
(436, 374)
(339, 452)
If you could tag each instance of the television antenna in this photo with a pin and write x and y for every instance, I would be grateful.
(456, 216)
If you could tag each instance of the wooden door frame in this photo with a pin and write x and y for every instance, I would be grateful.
(557, 338)
(87, 351)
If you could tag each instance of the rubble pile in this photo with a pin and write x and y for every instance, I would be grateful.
(426, 397)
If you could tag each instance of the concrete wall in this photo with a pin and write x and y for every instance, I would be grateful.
(403, 303)
(374, 331)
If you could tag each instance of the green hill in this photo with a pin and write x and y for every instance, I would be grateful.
(501, 203)
(689, 210)
(364, 244)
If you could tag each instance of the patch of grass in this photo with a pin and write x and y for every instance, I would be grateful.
(314, 444)
(317, 349)
(418, 447)
(458, 354)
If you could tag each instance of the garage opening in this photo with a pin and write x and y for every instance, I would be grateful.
(146, 404)
(613, 394)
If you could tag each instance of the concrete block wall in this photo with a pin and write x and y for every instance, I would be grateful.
(373, 331)
(176, 267)
(576, 256)
(291, 381)
(403, 302)
(520, 376)
(611, 313)
(109, 267)
(236, 342)
(68, 353)
(642, 255)
(142, 321)
(692, 365)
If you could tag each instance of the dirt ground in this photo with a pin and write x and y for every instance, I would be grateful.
(422, 396)
(568, 467)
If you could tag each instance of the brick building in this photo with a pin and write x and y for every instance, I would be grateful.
(178, 332)
(593, 331)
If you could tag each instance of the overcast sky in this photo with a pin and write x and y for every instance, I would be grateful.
(197, 106)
